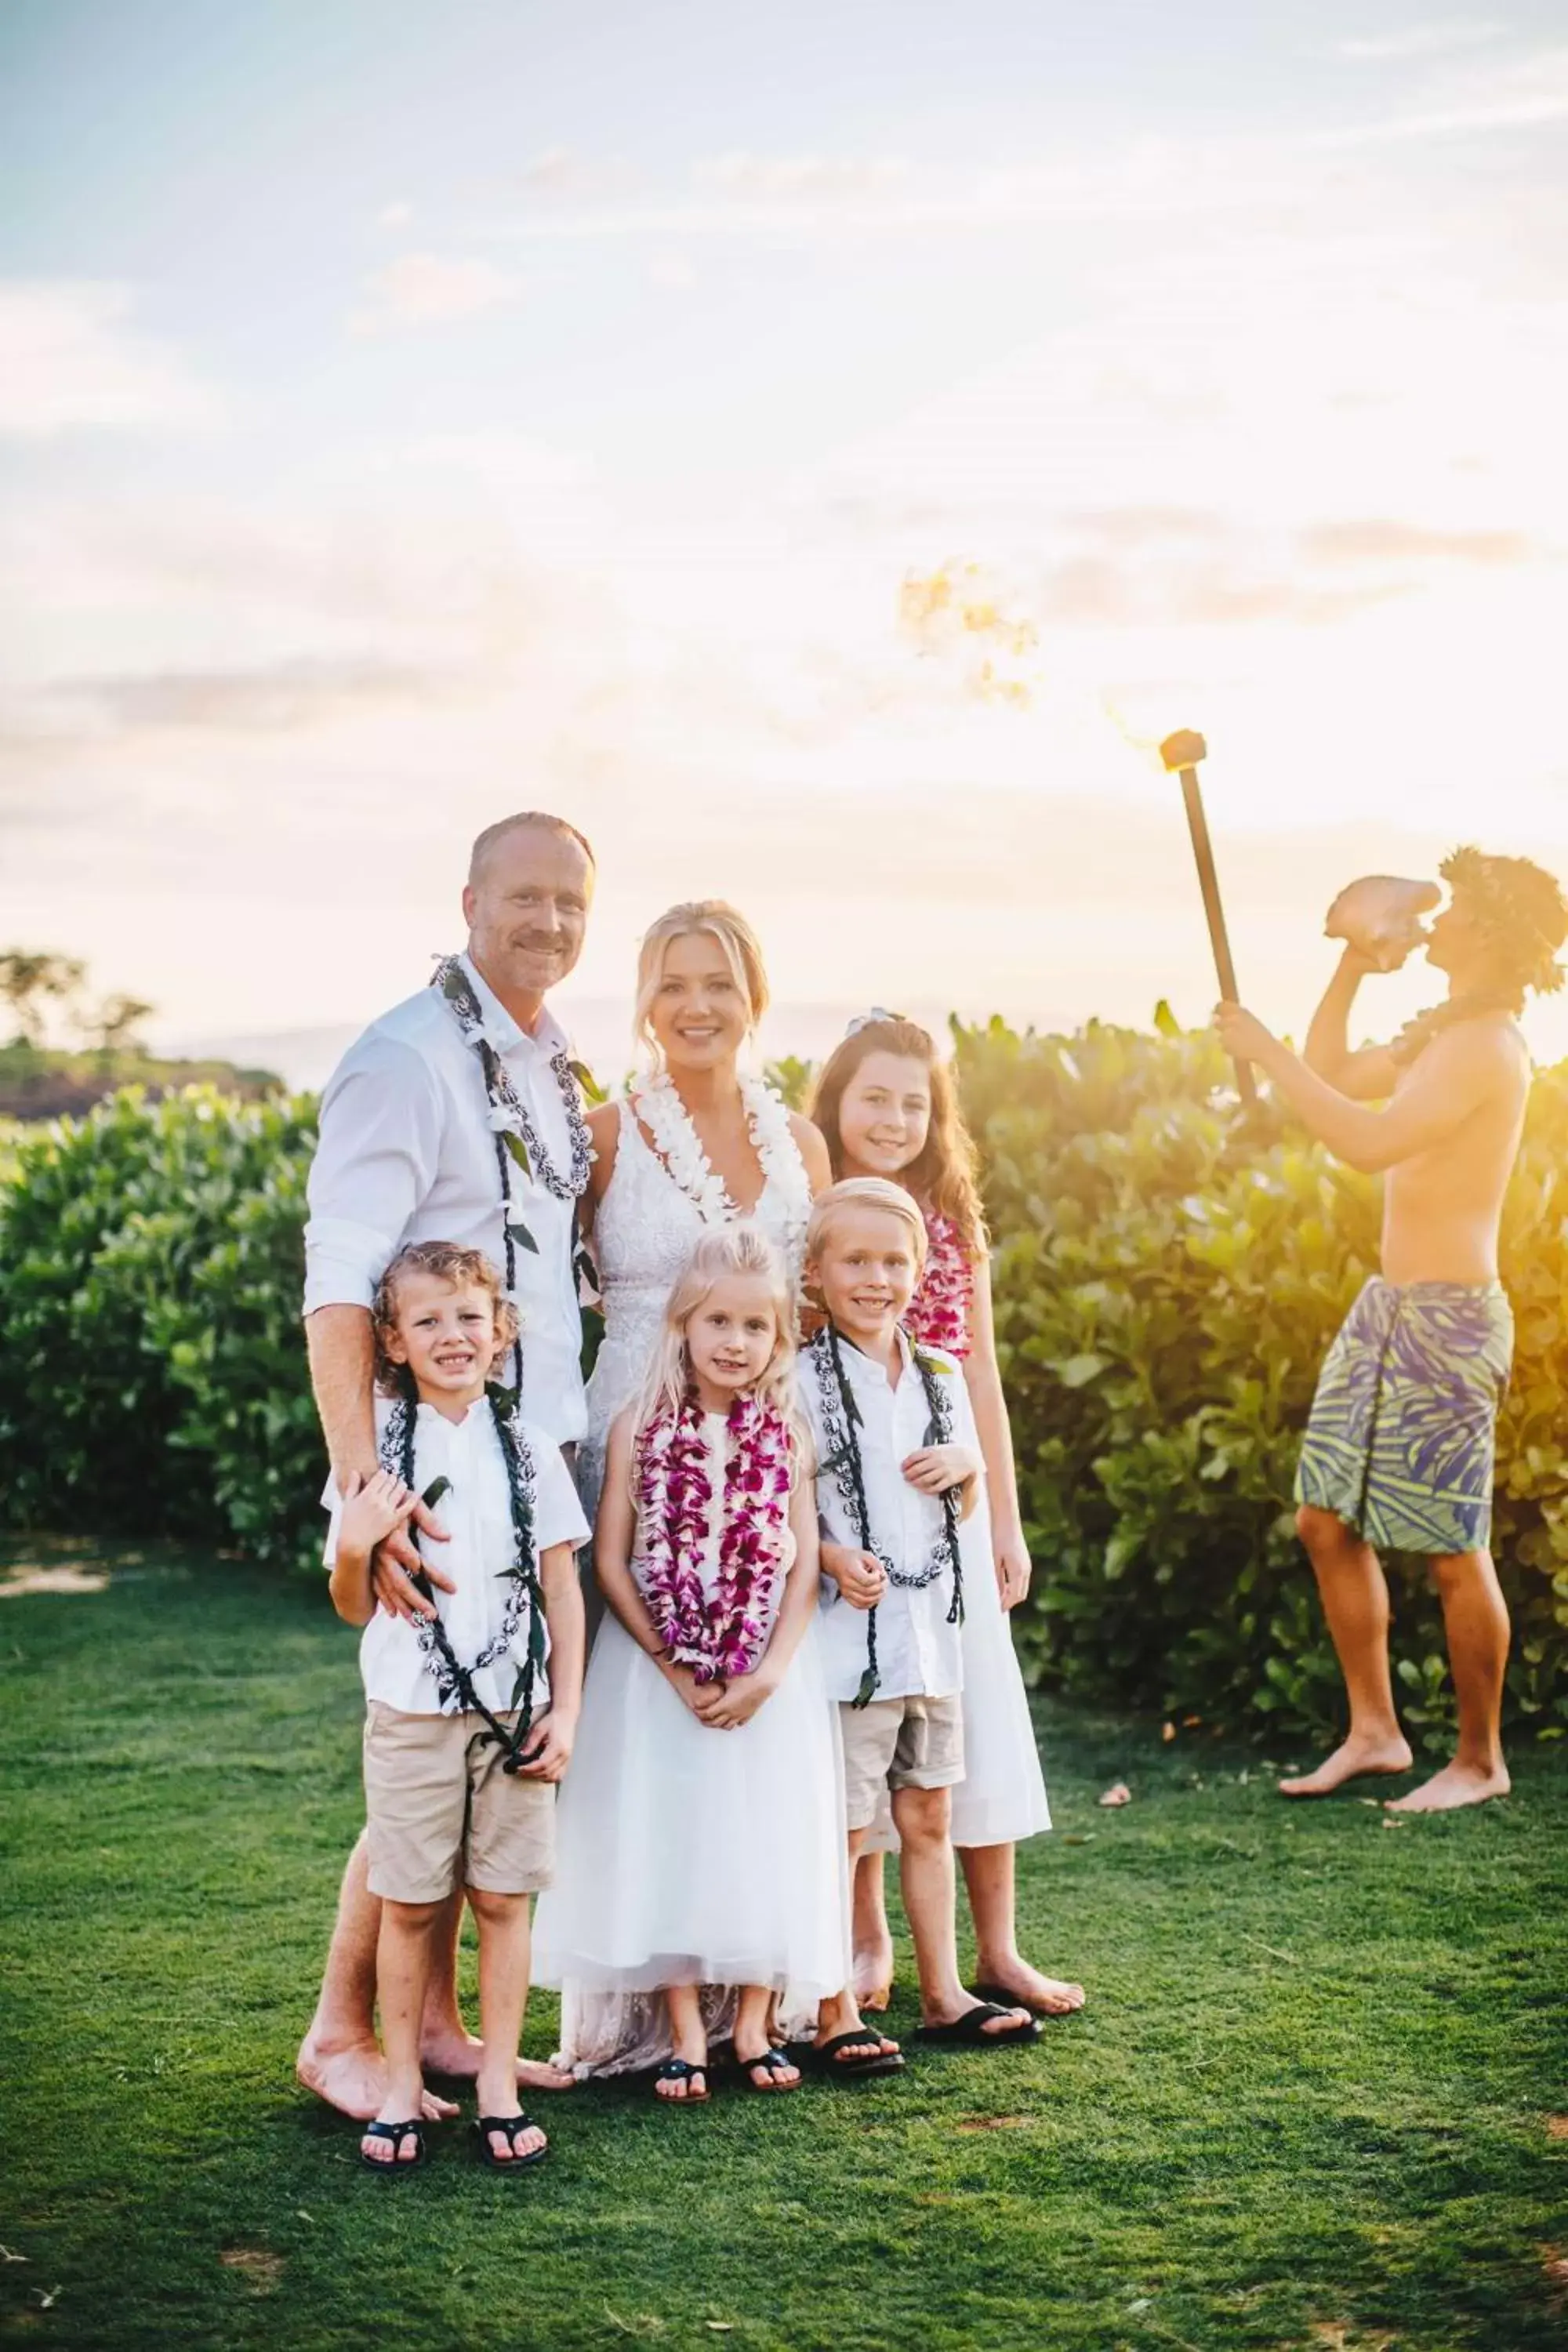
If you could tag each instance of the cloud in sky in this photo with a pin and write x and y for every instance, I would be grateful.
(808, 177)
(1520, 93)
(277, 698)
(1381, 540)
(427, 290)
(1418, 42)
(71, 358)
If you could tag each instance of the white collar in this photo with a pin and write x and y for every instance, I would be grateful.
(430, 1416)
(864, 1370)
(505, 1033)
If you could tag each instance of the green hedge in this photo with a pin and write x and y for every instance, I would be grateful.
(1168, 1274)
(152, 1375)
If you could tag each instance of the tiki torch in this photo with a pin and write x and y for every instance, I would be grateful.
(1181, 753)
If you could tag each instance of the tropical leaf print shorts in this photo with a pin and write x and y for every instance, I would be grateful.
(1401, 1436)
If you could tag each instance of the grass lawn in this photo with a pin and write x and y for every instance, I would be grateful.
(1310, 2104)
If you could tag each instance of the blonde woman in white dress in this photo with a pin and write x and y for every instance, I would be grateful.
(697, 1144)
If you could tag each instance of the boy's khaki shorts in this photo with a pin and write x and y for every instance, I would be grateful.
(442, 1814)
(898, 1743)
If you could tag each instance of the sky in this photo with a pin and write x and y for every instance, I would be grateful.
(410, 413)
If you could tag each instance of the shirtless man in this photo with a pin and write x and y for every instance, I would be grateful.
(1399, 1448)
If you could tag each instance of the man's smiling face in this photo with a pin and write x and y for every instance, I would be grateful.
(527, 909)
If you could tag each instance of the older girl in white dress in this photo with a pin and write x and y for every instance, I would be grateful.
(886, 1108)
(697, 1145)
(702, 1868)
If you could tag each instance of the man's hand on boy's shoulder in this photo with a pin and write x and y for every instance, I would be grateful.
(550, 1747)
(934, 1468)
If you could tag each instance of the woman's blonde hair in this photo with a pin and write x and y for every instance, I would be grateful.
(944, 1176)
(741, 1248)
(449, 1262)
(737, 942)
(865, 1192)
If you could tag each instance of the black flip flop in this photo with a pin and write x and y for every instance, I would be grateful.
(825, 2058)
(1006, 1999)
(681, 2070)
(396, 2133)
(970, 2028)
(509, 2127)
(774, 2061)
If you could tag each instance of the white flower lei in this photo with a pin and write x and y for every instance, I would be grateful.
(679, 1145)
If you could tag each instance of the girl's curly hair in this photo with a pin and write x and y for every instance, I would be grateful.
(449, 1262)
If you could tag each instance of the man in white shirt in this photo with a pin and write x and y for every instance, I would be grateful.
(456, 1116)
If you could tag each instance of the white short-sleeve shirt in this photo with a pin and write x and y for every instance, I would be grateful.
(918, 1653)
(476, 1512)
(408, 1154)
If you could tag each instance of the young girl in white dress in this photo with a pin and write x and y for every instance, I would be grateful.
(701, 1870)
(886, 1107)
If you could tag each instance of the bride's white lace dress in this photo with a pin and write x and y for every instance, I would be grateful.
(644, 1231)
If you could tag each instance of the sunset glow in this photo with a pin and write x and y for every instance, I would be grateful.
(820, 462)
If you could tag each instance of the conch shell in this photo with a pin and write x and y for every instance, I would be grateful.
(1381, 916)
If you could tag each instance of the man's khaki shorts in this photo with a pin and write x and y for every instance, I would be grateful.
(442, 1814)
(898, 1743)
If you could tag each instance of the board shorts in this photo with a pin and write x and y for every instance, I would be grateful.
(1402, 1437)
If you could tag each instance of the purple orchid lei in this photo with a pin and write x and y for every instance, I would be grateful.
(724, 1636)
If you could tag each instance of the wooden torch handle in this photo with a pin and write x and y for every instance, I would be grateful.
(1219, 939)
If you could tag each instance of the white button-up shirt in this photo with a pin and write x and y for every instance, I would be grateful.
(476, 1512)
(918, 1653)
(408, 1154)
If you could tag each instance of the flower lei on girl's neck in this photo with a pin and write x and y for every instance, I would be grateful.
(841, 1461)
(680, 1147)
(939, 1314)
(517, 1139)
(454, 1681)
(724, 1636)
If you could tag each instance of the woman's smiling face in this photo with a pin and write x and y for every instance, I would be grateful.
(700, 1016)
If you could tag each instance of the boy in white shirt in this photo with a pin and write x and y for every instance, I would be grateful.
(464, 1735)
(898, 1474)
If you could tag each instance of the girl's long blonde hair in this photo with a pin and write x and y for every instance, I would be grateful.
(741, 1248)
(944, 1177)
(737, 942)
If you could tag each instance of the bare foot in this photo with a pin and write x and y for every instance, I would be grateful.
(872, 1980)
(1013, 1979)
(1456, 1784)
(1377, 1753)
(353, 2078)
(455, 2052)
